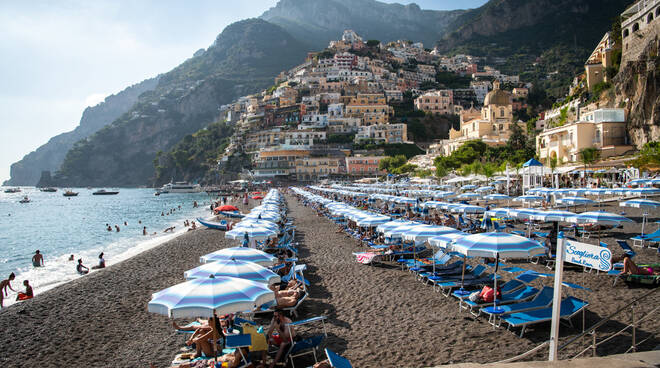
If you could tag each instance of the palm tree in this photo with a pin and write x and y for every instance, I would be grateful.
(589, 155)
(553, 166)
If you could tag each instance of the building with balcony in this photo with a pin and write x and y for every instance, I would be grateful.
(280, 164)
(436, 102)
(638, 21)
(311, 168)
(598, 62)
(361, 166)
(382, 133)
(604, 129)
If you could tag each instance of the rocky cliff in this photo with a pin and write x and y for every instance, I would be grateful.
(243, 59)
(49, 156)
(319, 21)
(637, 88)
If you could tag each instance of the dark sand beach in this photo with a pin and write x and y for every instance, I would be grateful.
(378, 316)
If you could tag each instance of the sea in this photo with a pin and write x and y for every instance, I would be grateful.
(61, 226)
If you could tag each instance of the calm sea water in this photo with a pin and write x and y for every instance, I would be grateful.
(59, 226)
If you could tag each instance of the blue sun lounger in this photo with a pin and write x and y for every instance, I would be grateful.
(654, 237)
(450, 269)
(569, 308)
(306, 345)
(542, 300)
(518, 295)
(337, 361)
(237, 342)
(474, 273)
(448, 286)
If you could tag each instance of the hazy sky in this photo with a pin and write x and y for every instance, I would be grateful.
(60, 56)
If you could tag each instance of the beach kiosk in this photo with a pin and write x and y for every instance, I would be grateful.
(532, 174)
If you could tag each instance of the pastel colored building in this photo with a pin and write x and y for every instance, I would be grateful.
(363, 165)
(436, 102)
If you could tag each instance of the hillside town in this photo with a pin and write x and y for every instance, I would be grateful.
(346, 108)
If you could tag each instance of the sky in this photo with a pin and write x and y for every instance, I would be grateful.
(59, 57)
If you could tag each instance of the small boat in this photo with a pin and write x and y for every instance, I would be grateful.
(157, 193)
(222, 225)
(181, 187)
(231, 214)
(104, 192)
(12, 190)
(24, 200)
(70, 193)
(48, 190)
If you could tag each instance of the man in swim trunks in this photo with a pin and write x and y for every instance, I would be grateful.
(4, 284)
(81, 269)
(286, 334)
(38, 259)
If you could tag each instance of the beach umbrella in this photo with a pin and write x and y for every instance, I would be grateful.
(205, 296)
(234, 268)
(641, 203)
(240, 253)
(256, 222)
(552, 215)
(497, 212)
(226, 207)
(257, 197)
(374, 220)
(600, 218)
(529, 198)
(421, 233)
(432, 204)
(639, 182)
(394, 224)
(264, 215)
(468, 187)
(523, 213)
(467, 208)
(487, 188)
(644, 191)
(398, 231)
(496, 245)
(575, 201)
(253, 231)
(469, 195)
(497, 197)
(444, 240)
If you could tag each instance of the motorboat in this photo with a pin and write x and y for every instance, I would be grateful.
(70, 193)
(48, 189)
(104, 192)
(211, 224)
(180, 187)
(24, 200)
(13, 190)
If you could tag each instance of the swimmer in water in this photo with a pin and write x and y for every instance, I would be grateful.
(144, 230)
(117, 227)
(38, 259)
(71, 258)
(109, 228)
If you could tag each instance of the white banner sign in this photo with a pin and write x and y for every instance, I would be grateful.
(588, 255)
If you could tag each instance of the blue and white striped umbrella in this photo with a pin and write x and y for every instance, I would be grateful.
(528, 198)
(405, 200)
(256, 222)
(445, 240)
(419, 234)
(599, 217)
(577, 191)
(265, 215)
(371, 221)
(240, 253)
(574, 201)
(487, 188)
(467, 208)
(523, 213)
(639, 203)
(468, 187)
(202, 297)
(398, 231)
(253, 231)
(644, 191)
(552, 215)
(497, 197)
(639, 181)
(496, 244)
(432, 204)
(394, 224)
(234, 268)
(497, 212)
(469, 195)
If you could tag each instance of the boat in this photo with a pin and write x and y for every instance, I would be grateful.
(24, 200)
(180, 187)
(12, 190)
(104, 192)
(231, 214)
(222, 225)
(70, 193)
(48, 190)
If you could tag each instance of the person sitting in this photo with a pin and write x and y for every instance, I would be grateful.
(28, 294)
(81, 269)
(630, 268)
(204, 337)
(101, 262)
(285, 334)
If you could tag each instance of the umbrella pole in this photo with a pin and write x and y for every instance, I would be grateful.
(463, 273)
(216, 336)
(497, 262)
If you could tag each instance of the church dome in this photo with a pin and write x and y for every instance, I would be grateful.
(497, 97)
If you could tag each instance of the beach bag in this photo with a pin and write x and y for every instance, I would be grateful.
(488, 294)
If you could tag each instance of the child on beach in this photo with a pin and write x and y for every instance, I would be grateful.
(4, 284)
(28, 294)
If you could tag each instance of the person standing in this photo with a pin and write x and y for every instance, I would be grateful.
(38, 259)
(4, 284)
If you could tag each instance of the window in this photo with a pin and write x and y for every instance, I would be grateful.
(649, 18)
(502, 112)
(635, 27)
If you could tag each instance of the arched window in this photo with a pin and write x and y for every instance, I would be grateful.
(649, 18)
(501, 112)
(635, 27)
(626, 32)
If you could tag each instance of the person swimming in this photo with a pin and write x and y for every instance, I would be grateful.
(38, 259)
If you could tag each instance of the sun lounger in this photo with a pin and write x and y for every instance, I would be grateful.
(569, 307)
(450, 269)
(473, 273)
(237, 342)
(542, 299)
(447, 286)
(306, 345)
(638, 241)
(515, 296)
(337, 361)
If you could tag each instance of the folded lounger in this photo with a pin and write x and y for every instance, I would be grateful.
(569, 308)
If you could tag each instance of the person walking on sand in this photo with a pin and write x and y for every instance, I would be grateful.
(4, 284)
(144, 230)
(38, 259)
(28, 294)
(81, 269)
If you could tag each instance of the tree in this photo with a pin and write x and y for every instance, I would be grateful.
(553, 165)
(393, 165)
(589, 155)
(373, 43)
(517, 140)
(649, 155)
(488, 170)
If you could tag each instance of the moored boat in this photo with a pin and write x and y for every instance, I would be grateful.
(105, 192)
(222, 225)
(48, 189)
(12, 190)
(70, 193)
(24, 200)
(180, 187)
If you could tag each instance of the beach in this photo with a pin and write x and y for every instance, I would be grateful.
(378, 316)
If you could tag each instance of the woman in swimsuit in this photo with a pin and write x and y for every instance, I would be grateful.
(4, 284)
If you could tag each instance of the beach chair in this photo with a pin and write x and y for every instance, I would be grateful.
(308, 345)
(238, 342)
(543, 299)
(569, 307)
(473, 273)
(446, 287)
(337, 361)
(450, 269)
(638, 241)
(518, 295)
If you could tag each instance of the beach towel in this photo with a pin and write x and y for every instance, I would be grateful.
(365, 257)
(258, 339)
